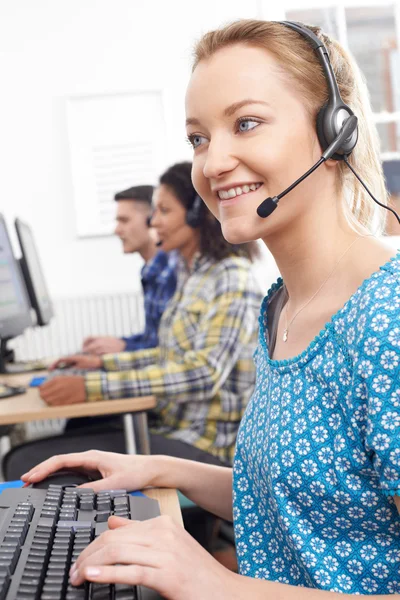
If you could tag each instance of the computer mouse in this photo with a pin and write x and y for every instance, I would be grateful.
(63, 364)
(65, 478)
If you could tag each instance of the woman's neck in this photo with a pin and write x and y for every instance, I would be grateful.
(307, 254)
(190, 249)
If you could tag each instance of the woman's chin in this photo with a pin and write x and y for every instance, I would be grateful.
(237, 232)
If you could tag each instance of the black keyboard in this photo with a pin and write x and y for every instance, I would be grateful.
(42, 532)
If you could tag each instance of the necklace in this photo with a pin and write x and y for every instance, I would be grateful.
(286, 330)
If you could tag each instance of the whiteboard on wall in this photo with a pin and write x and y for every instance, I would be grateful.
(116, 141)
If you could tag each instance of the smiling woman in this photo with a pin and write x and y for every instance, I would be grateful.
(316, 464)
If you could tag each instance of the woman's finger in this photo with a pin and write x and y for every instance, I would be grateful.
(78, 460)
(116, 554)
(116, 522)
(126, 574)
(138, 533)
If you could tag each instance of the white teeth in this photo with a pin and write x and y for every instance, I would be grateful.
(238, 191)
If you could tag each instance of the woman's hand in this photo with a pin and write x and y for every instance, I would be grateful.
(158, 554)
(117, 471)
(79, 361)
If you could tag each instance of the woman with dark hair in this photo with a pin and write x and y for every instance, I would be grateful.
(176, 183)
(202, 372)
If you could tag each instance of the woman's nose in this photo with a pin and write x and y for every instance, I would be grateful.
(219, 159)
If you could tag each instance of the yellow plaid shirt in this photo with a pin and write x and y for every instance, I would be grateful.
(202, 372)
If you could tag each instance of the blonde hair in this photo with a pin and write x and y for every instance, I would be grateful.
(299, 62)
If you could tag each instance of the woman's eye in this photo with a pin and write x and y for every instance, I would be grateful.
(196, 140)
(247, 125)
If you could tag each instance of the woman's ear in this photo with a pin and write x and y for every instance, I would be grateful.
(331, 163)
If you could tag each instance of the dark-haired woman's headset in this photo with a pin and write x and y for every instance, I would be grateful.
(192, 214)
(337, 128)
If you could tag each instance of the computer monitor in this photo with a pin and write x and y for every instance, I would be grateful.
(15, 315)
(391, 171)
(33, 274)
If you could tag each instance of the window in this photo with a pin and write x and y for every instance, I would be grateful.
(371, 36)
(325, 18)
(371, 31)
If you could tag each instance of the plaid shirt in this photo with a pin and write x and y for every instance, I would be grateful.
(159, 284)
(202, 372)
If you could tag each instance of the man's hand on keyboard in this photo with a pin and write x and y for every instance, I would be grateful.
(158, 554)
(63, 390)
(116, 470)
(103, 345)
(79, 361)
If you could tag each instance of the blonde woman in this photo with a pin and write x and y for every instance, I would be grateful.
(316, 475)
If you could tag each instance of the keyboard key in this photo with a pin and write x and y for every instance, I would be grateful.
(100, 591)
(102, 517)
(100, 528)
(124, 592)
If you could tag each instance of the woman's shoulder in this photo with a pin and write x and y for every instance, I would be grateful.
(380, 292)
(232, 266)
(372, 315)
(235, 273)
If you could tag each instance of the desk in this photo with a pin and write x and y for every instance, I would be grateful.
(30, 407)
(169, 502)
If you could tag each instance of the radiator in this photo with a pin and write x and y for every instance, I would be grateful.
(74, 319)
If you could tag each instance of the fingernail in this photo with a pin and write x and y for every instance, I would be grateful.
(92, 572)
(24, 475)
(32, 474)
(73, 575)
(72, 569)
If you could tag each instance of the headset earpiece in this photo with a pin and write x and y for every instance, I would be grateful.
(193, 213)
(329, 123)
(334, 112)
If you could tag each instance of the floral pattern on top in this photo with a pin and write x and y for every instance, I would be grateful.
(317, 458)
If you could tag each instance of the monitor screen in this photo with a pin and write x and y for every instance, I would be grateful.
(391, 171)
(33, 274)
(14, 303)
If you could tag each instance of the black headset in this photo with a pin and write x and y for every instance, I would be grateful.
(334, 112)
(193, 213)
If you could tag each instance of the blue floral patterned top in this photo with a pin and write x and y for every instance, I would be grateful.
(318, 452)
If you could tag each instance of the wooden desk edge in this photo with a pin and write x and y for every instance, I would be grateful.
(169, 502)
(84, 409)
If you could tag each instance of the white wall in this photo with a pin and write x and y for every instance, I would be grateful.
(53, 49)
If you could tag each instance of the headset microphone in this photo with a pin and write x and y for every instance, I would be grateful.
(349, 126)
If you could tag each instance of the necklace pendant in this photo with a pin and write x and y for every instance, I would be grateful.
(285, 335)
